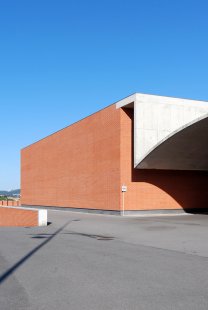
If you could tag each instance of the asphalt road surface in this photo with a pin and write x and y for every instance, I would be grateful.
(100, 262)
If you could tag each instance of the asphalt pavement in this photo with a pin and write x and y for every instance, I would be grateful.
(104, 262)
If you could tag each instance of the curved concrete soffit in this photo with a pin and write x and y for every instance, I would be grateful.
(184, 149)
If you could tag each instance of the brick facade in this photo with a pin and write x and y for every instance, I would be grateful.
(158, 189)
(85, 165)
(78, 166)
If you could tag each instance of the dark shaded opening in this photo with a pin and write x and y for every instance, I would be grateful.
(188, 188)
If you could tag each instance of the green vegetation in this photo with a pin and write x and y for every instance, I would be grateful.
(3, 198)
(6, 198)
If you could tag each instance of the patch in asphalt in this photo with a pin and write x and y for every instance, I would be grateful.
(160, 228)
(40, 236)
(98, 237)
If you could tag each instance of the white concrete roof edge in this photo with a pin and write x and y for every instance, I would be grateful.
(123, 102)
(166, 100)
(146, 98)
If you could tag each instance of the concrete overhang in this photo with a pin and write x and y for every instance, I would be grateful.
(169, 133)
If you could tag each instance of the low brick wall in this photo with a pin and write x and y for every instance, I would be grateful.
(10, 203)
(16, 216)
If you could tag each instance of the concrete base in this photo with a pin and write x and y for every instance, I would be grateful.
(120, 213)
(82, 210)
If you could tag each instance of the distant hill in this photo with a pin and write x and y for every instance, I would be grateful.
(10, 193)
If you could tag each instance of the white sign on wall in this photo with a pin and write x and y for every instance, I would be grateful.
(124, 188)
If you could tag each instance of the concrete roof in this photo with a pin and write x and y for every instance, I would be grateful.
(169, 133)
(185, 149)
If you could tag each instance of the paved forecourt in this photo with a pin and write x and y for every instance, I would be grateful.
(87, 261)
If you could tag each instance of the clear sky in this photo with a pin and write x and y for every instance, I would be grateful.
(62, 60)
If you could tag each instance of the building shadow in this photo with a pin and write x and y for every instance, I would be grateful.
(188, 188)
(47, 237)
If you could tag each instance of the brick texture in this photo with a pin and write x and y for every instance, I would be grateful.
(10, 203)
(157, 189)
(18, 217)
(78, 166)
(85, 165)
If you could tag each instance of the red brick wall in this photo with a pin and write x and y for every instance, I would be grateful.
(85, 165)
(157, 189)
(78, 166)
(18, 217)
(10, 203)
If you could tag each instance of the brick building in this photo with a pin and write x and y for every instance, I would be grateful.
(152, 147)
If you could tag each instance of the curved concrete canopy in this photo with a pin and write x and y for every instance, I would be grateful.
(156, 120)
(185, 149)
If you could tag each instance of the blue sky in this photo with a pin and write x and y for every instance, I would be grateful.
(62, 60)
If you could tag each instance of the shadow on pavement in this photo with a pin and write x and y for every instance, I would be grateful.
(11, 270)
